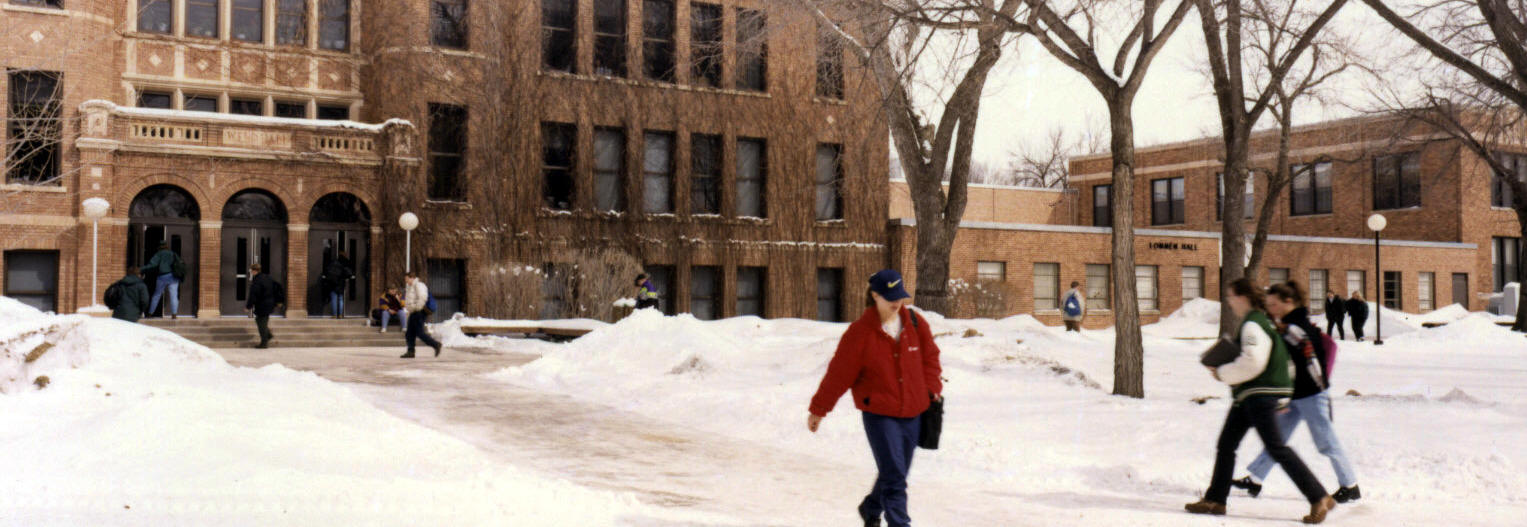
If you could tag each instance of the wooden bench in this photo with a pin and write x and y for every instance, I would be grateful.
(547, 333)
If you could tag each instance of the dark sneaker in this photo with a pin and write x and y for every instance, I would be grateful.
(1346, 494)
(1206, 507)
(1246, 483)
(869, 521)
(437, 350)
(1319, 510)
(408, 355)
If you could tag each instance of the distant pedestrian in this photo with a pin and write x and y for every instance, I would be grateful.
(265, 297)
(335, 281)
(1336, 312)
(1260, 377)
(128, 297)
(417, 301)
(1357, 310)
(390, 307)
(646, 293)
(1311, 403)
(889, 341)
(1074, 308)
(168, 270)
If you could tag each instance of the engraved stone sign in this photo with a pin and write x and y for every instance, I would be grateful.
(257, 138)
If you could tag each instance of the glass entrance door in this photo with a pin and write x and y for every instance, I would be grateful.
(243, 246)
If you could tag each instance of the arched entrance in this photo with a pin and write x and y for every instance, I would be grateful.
(339, 223)
(254, 231)
(165, 214)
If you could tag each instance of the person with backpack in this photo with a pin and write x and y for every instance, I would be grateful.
(168, 270)
(128, 297)
(1336, 310)
(646, 293)
(1074, 307)
(336, 279)
(420, 305)
(1312, 353)
(889, 360)
(1261, 377)
(265, 297)
(1357, 309)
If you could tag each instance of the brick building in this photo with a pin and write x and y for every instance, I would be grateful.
(721, 143)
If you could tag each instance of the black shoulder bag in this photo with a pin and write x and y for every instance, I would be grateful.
(932, 419)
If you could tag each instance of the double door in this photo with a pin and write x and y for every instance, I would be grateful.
(325, 244)
(245, 244)
(143, 239)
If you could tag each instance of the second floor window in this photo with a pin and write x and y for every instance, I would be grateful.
(559, 43)
(334, 24)
(1248, 203)
(199, 103)
(1501, 194)
(1310, 190)
(752, 177)
(705, 178)
(558, 152)
(201, 18)
(657, 173)
(292, 22)
(829, 64)
(248, 21)
(1102, 205)
(705, 47)
(752, 50)
(657, 39)
(447, 152)
(1167, 201)
(156, 16)
(1397, 181)
(34, 128)
(610, 37)
(246, 106)
(448, 23)
(291, 110)
(160, 100)
(610, 169)
(829, 183)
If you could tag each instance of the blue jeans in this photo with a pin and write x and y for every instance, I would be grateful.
(893, 440)
(163, 281)
(337, 302)
(402, 318)
(1314, 410)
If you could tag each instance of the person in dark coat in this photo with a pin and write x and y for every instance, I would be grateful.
(265, 297)
(1336, 311)
(335, 279)
(162, 268)
(134, 301)
(1357, 309)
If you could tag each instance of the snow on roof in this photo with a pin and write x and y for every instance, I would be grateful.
(213, 117)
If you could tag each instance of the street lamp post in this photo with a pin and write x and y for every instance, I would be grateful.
(95, 209)
(408, 221)
(1377, 222)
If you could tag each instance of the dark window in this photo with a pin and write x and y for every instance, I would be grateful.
(1248, 205)
(1392, 281)
(32, 278)
(292, 22)
(156, 16)
(662, 279)
(705, 174)
(1505, 260)
(333, 113)
(752, 178)
(610, 37)
(56, 4)
(1397, 181)
(705, 46)
(34, 128)
(1102, 205)
(829, 182)
(201, 18)
(752, 50)
(657, 173)
(248, 21)
(334, 24)
(1166, 201)
(200, 103)
(610, 169)
(246, 106)
(559, 45)
(1501, 194)
(447, 152)
(829, 295)
(448, 23)
(447, 281)
(1310, 190)
(161, 100)
(829, 64)
(558, 152)
(705, 292)
(752, 284)
(292, 110)
(657, 39)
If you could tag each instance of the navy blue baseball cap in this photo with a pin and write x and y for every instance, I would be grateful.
(887, 284)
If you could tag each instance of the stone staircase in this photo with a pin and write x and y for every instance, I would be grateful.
(239, 332)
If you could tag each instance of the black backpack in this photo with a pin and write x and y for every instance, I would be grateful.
(114, 295)
(178, 268)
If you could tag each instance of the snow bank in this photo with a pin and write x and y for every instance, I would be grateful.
(642, 346)
(1477, 329)
(1196, 319)
(33, 345)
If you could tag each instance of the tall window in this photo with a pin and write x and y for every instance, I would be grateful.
(1102, 205)
(829, 180)
(751, 285)
(160, 100)
(1425, 300)
(156, 16)
(829, 295)
(1505, 257)
(1277, 275)
(559, 43)
(752, 173)
(705, 292)
(448, 23)
(1392, 290)
(610, 169)
(1318, 289)
(657, 173)
(1397, 181)
(1310, 190)
(248, 20)
(558, 152)
(657, 39)
(34, 129)
(1098, 296)
(1248, 206)
(447, 151)
(829, 64)
(1167, 201)
(201, 18)
(291, 22)
(246, 106)
(1145, 287)
(1046, 286)
(1192, 283)
(705, 174)
(705, 44)
(1357, 280)
(1500, 191)
(610, 37)
(752, 50)
(32, 278)
(334, 24)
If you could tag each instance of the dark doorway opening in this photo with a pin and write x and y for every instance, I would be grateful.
(254, 231)
(166, 214)
(339, 223)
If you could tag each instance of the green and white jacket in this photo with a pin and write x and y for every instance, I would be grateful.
(1263, 367)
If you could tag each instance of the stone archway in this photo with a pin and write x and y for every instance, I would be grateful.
(166, 215)
(254, 231)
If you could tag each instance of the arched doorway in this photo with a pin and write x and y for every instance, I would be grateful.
(339, 223)
(254, 231)
(166, 214)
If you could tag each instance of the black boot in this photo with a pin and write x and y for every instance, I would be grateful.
(408, 355)
(437, 350)
(1246, 483)
(869, 521)
(1346, 494)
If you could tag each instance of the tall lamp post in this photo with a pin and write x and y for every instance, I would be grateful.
(1377, 222)
(408, 221)
(95, 209)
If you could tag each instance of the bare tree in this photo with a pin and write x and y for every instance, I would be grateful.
(1048, 165)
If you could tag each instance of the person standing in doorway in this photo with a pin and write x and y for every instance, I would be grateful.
(265, 297)
(1357, 310)
(335, 280)
(131, 297)
(162, 267)
(1336, 312)
(417, 301)
(1074, 308)
(646, 293)
(889, 360)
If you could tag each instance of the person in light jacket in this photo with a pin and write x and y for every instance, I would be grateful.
(1261, 377)
(1336, 311)
(1074, 307)
(416, 300)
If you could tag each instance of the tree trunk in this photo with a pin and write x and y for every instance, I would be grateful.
(1521, 273)
(1232, 265)
(932, 291)
(1128, 350)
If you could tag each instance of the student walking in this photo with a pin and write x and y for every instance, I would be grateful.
(417, 301)
(1357, 309)
(265, 297)
(1336, 310)
(389, 307)
(646, 293)
(128, 297)
(1311, 403)
(168, 270)
(336, 279)
(889, 360)
(1260, 377)
(1074, 307)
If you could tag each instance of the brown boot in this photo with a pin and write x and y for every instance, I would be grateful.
(1319, 510)
(1206, 507)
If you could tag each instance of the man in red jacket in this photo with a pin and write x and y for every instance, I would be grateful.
(889, 360)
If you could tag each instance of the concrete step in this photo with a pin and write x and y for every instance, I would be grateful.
(239, 332)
